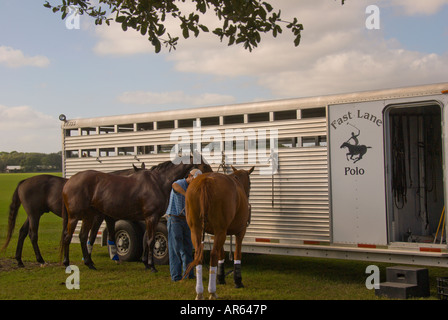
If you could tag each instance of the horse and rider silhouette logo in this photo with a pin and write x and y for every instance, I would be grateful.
(356, 151)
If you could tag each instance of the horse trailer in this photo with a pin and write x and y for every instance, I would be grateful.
(356, 176)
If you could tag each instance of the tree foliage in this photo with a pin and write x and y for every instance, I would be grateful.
(243, 21)
(31, 161)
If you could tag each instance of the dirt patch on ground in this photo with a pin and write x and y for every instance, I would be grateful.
(9, 264)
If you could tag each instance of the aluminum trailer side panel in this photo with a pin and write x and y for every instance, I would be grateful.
(291, 209)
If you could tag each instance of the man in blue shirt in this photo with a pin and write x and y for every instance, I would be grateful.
(180, 246)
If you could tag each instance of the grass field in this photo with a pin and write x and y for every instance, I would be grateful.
(266, 277)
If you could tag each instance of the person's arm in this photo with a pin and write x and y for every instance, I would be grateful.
(178, 189)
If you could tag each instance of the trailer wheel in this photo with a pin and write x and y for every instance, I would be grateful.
(160, 252)
(129, 240)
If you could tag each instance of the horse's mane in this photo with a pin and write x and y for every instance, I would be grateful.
(162, 166)
(169, 163)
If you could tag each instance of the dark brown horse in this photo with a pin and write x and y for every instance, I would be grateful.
(217, 204)
(141, 196)
(37, 195)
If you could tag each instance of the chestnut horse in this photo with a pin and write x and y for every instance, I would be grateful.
(143, 195)
(39, 194)
(218, 204)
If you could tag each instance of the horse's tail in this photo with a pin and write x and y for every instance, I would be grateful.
(205, 196)
(64, 216)
(13, 211)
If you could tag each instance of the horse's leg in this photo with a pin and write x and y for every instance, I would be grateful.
(22, 236)
(67, 238)
(145, 249)
(199, 284)
(150, 232)
(97, 221)
(83, 236)
(218, 243)
(33, 234)
(111, 242)
(237, 260)
(221, 276)
(196, 239)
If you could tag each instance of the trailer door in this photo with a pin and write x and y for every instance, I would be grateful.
(357, 180)
(415, 166)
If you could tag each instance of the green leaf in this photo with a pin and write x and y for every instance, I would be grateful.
(185, 33)
(203, 28)
(297, 41)
(268, 6)
(121, 19)
(157, 45)
(161, 30)
(143, 29)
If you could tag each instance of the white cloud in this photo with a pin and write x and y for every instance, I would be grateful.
(28, 130)
(426, 7)
(114, 41)
(337, 52)
(14, 58)
(173, 98)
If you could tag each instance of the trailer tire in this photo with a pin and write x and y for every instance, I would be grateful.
(160, 252)
(129, 240)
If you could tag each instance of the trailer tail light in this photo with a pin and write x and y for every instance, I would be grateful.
(368, 246)
(266, 240)
(262, 240)
(444, 91)
(422, 249)
(312, 242)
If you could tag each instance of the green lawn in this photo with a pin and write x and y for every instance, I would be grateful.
(266, 277)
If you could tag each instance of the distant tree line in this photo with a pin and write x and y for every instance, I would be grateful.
(30, 162)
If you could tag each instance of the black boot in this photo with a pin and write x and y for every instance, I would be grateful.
(237, 276)
(221, 276)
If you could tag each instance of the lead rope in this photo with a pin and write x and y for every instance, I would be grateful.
(223, 162)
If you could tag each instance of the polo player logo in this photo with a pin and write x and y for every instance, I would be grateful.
(355, 150)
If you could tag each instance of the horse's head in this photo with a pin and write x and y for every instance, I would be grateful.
(344, 145)
(243, 177)
(203, 165)
(192, 161)
(178, 168)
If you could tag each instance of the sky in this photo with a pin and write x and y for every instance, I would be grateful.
(47, 69)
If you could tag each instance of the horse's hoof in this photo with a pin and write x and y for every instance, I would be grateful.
(151, 269)
(239, 285)
(91, 267)
(213, 296)
(21, 265)
(199, 296)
